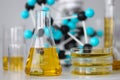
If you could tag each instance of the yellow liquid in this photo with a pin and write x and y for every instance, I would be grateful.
(95, 53)
(43, 62)
(102, 71)
(108, 39)
(99, 62)
(93, 70)
(5, 63)
(108, 32)
(16, 63)
(116, 65)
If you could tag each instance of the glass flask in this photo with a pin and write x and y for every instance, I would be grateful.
(43, 58)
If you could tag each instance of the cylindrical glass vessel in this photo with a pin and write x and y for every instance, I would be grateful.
(16, 49)
(6, 41)
(116, 64)
(13, 48)
(43, 58)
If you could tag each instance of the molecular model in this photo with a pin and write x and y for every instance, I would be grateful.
(68, 33)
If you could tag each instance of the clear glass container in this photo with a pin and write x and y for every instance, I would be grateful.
(116, 65)
(43, 58)
(13, 48)
(97, 61)
(6, 41)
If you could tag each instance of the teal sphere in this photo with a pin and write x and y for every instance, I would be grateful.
(100, 33)
(74, 20)
(72, 32)
(68, 56)
(28, 34)
(90, 31)
(89, 13)
(50, 2)
(71, 25)
(47, 31)
(80, 47)
(94, 41)
(45, 9)
(57, 35)
(65, 22)
(25, 14)
(31, 2)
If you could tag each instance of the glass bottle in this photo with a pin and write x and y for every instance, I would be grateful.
(43, 58)
(109, 31)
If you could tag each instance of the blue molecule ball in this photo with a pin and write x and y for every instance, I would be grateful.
(47, 31)
(57, 35)
(72, 32)
(71, 25)
(80, 47)
(100, 33)
(68, 56)
(50, 2)
(90, 31)
(89, 13)
(31, 2)
(45, 9)
(74, 20)
(65, 22)
(25, 14)
(28, 34)
(68, 59)
(94, 41)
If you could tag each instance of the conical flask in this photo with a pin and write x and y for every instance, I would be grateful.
(43, 58)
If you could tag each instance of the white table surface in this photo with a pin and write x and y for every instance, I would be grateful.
(66, 75)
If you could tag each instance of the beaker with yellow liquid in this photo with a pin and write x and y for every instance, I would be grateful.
(13, 48)
(43, 58)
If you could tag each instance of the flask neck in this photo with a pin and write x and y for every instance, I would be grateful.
(42, 19)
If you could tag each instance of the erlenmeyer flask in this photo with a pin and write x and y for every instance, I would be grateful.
(43, 58)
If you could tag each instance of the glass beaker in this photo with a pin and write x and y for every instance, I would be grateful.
(6, 41)
(16, 49)
(13, 48)
(43, 58)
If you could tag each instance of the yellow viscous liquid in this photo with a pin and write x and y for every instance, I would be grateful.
(116, 65)
(101, 70)
(108, 32)
(43, 62)
(5, 62)
(95, 63)
(16, 63)
(108, 39)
